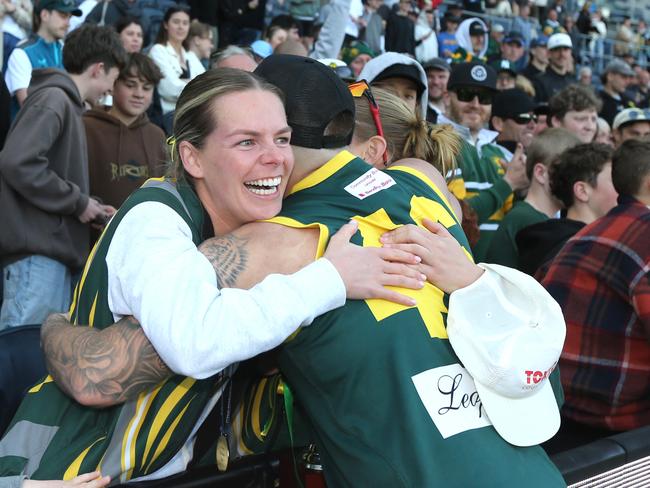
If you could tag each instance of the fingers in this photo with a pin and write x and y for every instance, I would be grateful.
(400, 254)
(403, 281)
(393, 296)
(405, 234)
(82, 478)
(436, 228)
(346, 232)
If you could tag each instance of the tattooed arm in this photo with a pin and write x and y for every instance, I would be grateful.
(100, 368)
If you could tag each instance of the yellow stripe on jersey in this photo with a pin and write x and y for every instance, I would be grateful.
(165, 440)
(324, 172)
(143, 404)
(424, 178)
(457, 188)
(73, 469)
(93, 307)
(37, 388)
(165, 410)
(257, 405)
(322, 237)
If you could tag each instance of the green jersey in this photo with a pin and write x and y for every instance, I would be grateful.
(53, 437)
(389, 401)
(503, 247)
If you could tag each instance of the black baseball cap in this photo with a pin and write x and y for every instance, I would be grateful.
(510, 103)
(408, 71)
(68, 6)
(472, 74)
(476, 29)
(314, 94)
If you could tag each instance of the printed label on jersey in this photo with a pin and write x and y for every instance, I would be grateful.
(369, 183)
(450, 397)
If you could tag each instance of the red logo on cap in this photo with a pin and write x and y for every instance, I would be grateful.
(537, 376)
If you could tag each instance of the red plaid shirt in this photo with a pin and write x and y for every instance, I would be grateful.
(601, 279)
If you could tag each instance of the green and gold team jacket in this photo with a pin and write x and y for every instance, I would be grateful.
(53, 437)
(479, 181)
(389, 402)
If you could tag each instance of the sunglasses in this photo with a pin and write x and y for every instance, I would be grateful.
(362, 89)
(524, 119)
(465, 94)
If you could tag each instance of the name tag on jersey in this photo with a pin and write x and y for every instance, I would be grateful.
(369, 183)
(449, 395)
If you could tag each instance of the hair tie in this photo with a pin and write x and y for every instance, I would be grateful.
(171, 142)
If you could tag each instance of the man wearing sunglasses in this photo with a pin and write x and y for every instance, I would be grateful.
(486, 188)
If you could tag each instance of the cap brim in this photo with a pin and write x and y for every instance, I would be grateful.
(74, 11)
(523, 422)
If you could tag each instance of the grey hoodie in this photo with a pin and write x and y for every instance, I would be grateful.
(377, 65)
(463, 38)
(44, 174)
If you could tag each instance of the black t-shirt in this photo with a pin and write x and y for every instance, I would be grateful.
(612, 106)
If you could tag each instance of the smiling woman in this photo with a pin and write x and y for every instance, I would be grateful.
(231, 164)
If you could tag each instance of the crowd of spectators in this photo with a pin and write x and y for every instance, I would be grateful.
(550, 103)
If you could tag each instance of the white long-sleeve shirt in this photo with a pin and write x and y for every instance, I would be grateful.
(157, 274)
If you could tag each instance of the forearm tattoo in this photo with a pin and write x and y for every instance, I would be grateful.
(101, 367)
(228, 257)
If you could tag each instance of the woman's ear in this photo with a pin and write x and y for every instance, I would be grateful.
(374, 153)
(191, 159)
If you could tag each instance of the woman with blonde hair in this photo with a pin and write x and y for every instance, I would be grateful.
(405, 138)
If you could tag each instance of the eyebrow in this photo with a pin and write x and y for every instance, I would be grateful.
(249, 132)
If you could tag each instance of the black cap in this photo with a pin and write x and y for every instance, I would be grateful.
(314, 94)
(514, 36)
(510, 103)
(449, 17)
(476, 28)
(472, 74)
(436, 63)
(408, 71)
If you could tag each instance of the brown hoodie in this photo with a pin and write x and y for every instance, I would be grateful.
(121, 158)
(44, 174)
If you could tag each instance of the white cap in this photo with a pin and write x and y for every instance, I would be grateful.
(508, 332)
(559, 40)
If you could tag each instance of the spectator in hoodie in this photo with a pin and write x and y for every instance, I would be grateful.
(43, 49)
(124, 148)
(576, 109)
(472, 41)
(44, 191)
(581, 179)
(401, 75)
(539, 204)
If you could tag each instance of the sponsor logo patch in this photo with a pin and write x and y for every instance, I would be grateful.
(450, 397)
(369, 183)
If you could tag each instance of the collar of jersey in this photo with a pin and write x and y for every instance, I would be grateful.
(324, 172)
